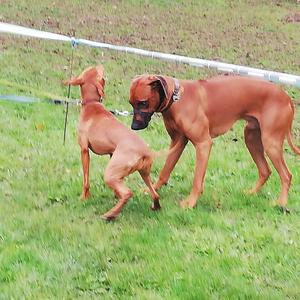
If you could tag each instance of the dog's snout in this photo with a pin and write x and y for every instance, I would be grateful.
(135, 125)
(140, 119)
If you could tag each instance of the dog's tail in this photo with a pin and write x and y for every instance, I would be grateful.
(293, 147)
(289, 135)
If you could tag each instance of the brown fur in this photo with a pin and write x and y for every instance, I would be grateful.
(101, 132)
(209, 108)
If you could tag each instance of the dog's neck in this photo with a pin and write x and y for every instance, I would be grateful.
(89, 94)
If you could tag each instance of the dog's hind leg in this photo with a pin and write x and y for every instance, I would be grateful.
(273, 130)
(254, 144)
(118, 167)
(274, 150)
(123, 194)
(145, 174)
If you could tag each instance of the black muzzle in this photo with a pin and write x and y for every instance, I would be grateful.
(140, 119)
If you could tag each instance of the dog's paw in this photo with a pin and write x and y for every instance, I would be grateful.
(155, 205)
(187, 203)
(285, 210)
(183, 204)
(85, 195)
(108, 217)
(282, 209)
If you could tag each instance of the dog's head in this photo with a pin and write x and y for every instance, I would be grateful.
(149, 94)
(91, 82)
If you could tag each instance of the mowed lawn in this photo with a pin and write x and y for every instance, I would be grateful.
(54, 246)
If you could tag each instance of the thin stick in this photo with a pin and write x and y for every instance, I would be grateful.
(69, 91)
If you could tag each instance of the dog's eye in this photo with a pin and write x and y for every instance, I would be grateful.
(143, 104)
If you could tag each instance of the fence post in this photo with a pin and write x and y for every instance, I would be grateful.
(74, 43)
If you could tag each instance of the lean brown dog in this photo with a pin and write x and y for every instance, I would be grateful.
(199, 110)
(102, 133)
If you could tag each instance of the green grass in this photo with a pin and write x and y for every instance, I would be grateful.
(53, 246)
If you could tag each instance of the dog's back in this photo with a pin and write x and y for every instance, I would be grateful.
(104, 132)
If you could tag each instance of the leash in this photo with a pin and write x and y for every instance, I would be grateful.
(32, 91)
(69, 88)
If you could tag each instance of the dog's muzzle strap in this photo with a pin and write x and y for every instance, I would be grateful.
(144, 119)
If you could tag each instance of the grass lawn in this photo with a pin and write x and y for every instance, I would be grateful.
(53, 246)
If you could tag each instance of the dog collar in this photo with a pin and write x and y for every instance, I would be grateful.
(91, 101)
(174, 98)
(176, 93)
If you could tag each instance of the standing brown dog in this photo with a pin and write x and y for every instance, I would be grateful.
(199, 110)
(101, 132)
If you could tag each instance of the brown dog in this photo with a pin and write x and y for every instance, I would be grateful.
(101, 132)
(199, 110)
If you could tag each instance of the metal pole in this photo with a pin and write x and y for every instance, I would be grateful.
(69, 90)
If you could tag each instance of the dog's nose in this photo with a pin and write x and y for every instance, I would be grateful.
(136, 125)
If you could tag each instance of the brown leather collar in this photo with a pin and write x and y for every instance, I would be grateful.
(175, 96)
(83, 103)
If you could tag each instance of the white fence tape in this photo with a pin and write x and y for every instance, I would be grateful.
(284, 78)
(15, 29)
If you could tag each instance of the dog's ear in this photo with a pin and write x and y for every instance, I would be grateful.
(100, 84)
(100, 71)
(100, 81)
(74, 81)
(161, 84)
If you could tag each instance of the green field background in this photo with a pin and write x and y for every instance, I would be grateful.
(53, 246)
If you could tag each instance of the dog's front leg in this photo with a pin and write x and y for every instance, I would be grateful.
(202, 154)
(176, 148)
(85, 160)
